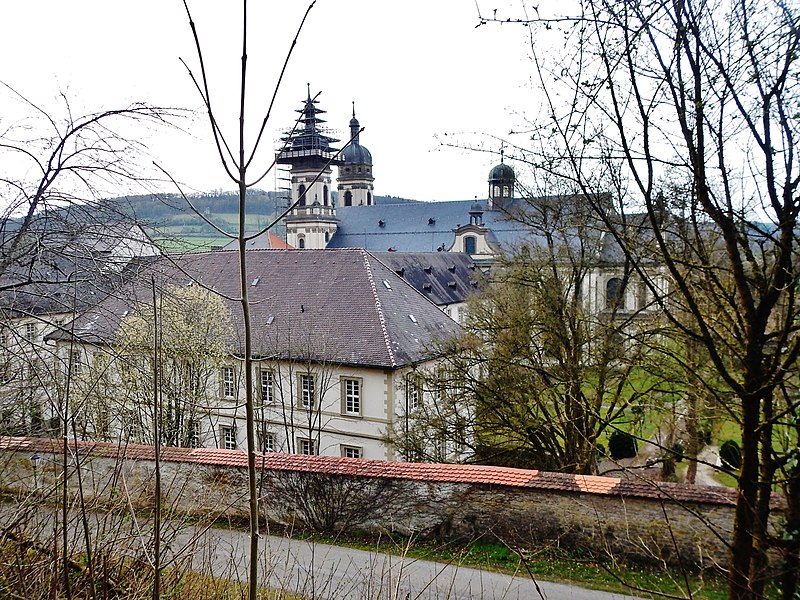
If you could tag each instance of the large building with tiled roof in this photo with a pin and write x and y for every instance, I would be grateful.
(481, 229)
(336, 336)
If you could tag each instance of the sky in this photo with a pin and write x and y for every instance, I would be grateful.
(422, 75)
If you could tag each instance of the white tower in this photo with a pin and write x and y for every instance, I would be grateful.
(308, 150)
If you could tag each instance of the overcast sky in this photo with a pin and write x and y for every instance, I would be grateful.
(419, 71)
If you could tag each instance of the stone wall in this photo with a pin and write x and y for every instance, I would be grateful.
(526, 509)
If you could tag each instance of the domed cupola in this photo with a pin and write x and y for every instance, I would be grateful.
(355, 173)
(501, 185)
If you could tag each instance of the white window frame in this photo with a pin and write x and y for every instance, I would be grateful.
(352, 395)
(193, 436)
(30, 332)
(413, 392)
(268, 442)
(352, 451)
(227, 437)
(75, 363)
(307, 390)
(228, 382)
(267, 391)
(306, 446)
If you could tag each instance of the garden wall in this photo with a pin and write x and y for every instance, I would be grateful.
(641, 520)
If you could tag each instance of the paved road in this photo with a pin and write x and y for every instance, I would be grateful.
(331, 572)
(313, 570)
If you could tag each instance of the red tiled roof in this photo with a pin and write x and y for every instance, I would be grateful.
(450, 473)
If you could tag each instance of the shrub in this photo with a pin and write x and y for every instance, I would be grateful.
(622, 444)
(730, 455)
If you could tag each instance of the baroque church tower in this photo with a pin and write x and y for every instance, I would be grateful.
(355, 173)
(311, 154)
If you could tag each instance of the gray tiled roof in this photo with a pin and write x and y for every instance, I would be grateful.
(417, 226)
(443, 277)
(342, 306)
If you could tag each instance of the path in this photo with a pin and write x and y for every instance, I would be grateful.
(333, 572)
(315, 570)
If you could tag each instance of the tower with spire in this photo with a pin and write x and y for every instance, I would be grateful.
(310, 153)
(355, 184)
(501, 184)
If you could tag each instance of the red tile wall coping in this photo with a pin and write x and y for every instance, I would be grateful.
(450, 473)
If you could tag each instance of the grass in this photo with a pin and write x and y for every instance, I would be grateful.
(547, 564)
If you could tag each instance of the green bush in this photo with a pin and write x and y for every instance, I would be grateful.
(730, 455)
(622, 444)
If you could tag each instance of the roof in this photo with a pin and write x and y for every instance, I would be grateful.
(425, 472)
(264, 241)
(502, 172)
(418, 226)
(67, 268)
(443, 277)
(342, 306)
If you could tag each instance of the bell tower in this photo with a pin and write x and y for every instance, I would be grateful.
(355, 173)
(309, 152)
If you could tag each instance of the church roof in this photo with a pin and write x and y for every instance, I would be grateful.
(339, 306)
(418, 226)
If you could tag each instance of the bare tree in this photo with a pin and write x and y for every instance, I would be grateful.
(707, 91)
(237, 160)
(549, 361)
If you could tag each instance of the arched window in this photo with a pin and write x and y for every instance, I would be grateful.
(324, 195)
(348, 198)
(327, 237)
(614, 291)
(470, 244)
(369, 199)
(301, 243)
(301, 194)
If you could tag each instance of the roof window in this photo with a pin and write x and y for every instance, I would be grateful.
(413, 318)
(387, 285)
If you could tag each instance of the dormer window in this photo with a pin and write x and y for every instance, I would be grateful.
(381, 223)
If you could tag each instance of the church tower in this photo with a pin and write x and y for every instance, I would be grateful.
(309, 151)
(501, 185)
(355, 173)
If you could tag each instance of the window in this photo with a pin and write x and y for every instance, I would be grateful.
(306, 446)
(228, 382)
(267, 440)
(348, 198)
(301, 195)
(352, 451)
(413, 393)
(301, 243)
(470, 244)
(192, 433)
(325, 195)
(307, 391)
(614, 290)
(30, 332)
(351, 396)
(267, 386)
(227, 437)
(75, 363)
